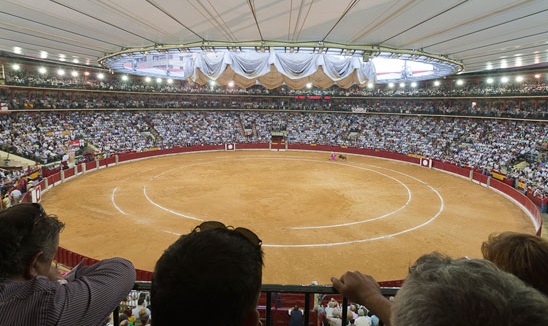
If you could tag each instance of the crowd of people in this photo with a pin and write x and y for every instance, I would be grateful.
(518, 108)
(29, 75)
(136, 92)
(14, 184)
(483, 144)
(218, 262)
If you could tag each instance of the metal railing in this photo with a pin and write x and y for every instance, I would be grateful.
(270, 289)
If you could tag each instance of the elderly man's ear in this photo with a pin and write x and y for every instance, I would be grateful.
(35, 268)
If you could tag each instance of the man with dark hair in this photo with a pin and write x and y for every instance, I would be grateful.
(32, 292)
(213, 266)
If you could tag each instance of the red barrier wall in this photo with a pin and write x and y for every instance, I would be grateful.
(69, 172)
(360, 151)
(252, 146)
(480, 177)
(523, 200)
(449, 167)
(90, 165)
(52, 179)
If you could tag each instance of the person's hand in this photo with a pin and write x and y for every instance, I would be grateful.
(54, 274)
(364, 289)
(357, 287)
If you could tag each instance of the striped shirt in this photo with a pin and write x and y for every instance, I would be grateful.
(88, 297)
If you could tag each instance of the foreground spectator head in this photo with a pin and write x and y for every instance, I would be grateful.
(521, 254)
(28, 242)
(214, 265)
(441, 291)
(33, 292)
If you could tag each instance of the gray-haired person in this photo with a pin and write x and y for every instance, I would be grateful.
(442, 291)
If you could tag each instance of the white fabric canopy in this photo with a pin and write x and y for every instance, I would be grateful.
(275, 69)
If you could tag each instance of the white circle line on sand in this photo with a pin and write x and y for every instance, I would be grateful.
(409, 198)
(167, 209)
(113, 200)
(332, 244)
(174, 233)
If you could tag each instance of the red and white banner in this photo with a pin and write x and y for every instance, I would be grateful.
(230, 147)
(426, 162)
(75, 144)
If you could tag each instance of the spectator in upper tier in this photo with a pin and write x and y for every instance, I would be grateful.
(521, 254)
(212, 264)
(441, 291)
(33, 293)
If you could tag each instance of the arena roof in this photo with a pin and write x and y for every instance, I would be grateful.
(479, 34)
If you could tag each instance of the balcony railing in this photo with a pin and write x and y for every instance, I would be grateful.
(271, 290)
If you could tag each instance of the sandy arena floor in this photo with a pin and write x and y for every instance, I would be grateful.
(317, 218)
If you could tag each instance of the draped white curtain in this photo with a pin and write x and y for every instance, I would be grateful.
(248, 64)
(296, 65)
(274, 69)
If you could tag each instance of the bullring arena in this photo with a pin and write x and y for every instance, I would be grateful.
(317, 218)
(348, 135)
